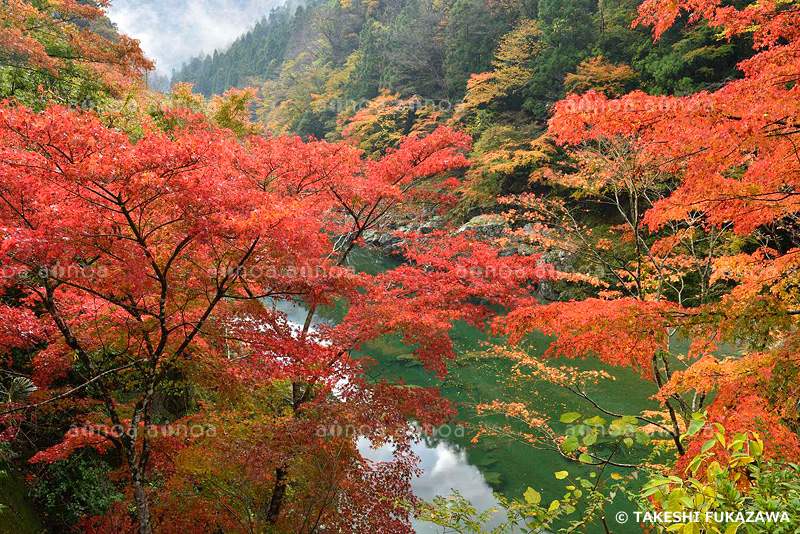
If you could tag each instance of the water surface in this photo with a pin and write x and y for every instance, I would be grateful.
(479, 469)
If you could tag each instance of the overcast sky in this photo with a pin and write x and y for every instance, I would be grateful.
(173, 31)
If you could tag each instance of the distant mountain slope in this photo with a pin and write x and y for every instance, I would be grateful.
(257, 53)
(429, 47)
(173, 31)
(314, 61)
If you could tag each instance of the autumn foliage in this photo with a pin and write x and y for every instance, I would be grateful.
(52, 34)
(128, 264)
(153, 266)
(705, 186)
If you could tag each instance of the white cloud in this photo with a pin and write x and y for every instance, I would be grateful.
(444, 468)
(173, 31)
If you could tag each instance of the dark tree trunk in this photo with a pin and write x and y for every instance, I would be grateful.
(278, 493)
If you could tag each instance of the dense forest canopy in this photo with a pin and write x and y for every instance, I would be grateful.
(242, 304)
(351, 50)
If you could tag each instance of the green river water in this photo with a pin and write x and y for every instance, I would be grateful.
(477, 470)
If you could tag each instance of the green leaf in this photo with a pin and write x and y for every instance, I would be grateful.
(695, 426)
(585, 458)
(570, 444)
(590, 439)
(628, 442)
(616, 428)
(756, 448)
(569, 417)
(651, 491)
(581, 430)
(708, 445)
(595, 421)
(655, 482)
(532, 496)
(561, 475)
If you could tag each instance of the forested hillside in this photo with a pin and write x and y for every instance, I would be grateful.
(376, 71)
(258, 53)
(322, 52)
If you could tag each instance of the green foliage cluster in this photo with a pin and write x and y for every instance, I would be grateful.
(76, 83)
(73, 489)
(725, 488)
(34, 88)
(727, 485)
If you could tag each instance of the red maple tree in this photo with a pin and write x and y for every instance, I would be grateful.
(128, 262)
(706, 186)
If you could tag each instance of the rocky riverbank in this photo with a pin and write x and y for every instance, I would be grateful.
(484, 227)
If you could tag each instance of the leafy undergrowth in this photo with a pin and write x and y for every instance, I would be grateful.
(17, 515)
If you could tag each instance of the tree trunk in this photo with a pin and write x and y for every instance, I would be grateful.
(278, 493)
(142, 506)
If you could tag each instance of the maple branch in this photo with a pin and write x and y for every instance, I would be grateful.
(69, 392)
(583, 395)
(72, 342)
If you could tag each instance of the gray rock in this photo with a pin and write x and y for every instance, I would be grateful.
(485, 226)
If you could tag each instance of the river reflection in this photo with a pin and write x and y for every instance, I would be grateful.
(445, 469)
